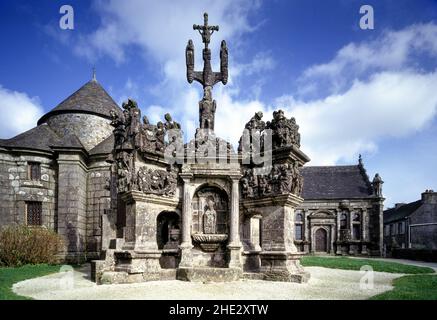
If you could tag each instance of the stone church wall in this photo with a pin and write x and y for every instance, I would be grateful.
(90, 129)
(98, 200)
(16, 189)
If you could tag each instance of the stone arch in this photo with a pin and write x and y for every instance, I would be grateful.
(168, 226)
(219, 184)
(207, 198)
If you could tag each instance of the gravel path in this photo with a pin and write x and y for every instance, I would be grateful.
(324, 284)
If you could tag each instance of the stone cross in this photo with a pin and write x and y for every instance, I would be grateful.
(207, 78)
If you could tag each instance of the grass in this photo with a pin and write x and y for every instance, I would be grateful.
(9, 276)
(412, 287)
(355, 264)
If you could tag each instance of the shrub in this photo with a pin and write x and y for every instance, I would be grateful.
(20, 245)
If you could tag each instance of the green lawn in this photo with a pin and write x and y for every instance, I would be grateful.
(9, 276)
(417, 287)
(355, 264)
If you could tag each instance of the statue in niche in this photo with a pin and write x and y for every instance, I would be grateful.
(209, 217)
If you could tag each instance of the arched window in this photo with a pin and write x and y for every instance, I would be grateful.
(298, 229)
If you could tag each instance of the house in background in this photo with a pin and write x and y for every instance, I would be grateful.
(412, 225)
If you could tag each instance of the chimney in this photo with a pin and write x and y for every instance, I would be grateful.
(398, 205)
(429, 196)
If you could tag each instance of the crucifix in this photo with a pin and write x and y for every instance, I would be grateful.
(207, 78)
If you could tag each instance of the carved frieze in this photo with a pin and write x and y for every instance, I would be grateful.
(282, 179)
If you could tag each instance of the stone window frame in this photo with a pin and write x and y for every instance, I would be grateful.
(386, 230)
(392, 229)
(356, 222)
(34, 170)
(344, 220)
(401, 227)
(299, 223)
(39, 210)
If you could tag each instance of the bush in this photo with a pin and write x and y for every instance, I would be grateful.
(20, 245)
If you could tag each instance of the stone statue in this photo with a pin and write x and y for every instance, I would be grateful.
(209, 217)
(207, 108)
(284, 131)
(160, 137)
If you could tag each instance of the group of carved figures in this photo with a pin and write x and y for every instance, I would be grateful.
(285, 132)
(130, 133)
(160, 182)
(283, 178)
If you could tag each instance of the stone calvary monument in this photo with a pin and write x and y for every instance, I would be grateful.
(205, 206)
(141, 204)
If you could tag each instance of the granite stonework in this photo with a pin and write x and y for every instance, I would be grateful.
(90, 129)
(143, 205)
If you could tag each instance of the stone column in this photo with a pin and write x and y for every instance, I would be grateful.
(234, 245)
(307, 231)
(364, 230)
(338, 232)
(186, 245)
(72, 193)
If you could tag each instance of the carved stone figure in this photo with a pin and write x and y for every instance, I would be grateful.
(207, 108)
(160, 137)
(209, 217)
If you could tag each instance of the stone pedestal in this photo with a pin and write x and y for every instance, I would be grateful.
(283, 266)
(279, 256)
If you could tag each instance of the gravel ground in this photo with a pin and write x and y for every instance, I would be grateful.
(325, 283)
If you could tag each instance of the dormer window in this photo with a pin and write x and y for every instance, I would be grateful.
(34, 169)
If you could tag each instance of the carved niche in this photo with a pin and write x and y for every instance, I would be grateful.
(210, 211)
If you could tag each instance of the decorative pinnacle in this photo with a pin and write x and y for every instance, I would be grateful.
(94, 78)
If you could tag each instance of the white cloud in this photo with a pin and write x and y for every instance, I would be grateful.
(392, 50)
(390, 104)
(19, 112)
(374, 89)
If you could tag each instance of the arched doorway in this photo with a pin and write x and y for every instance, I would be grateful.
(168, 230)
(321, 237)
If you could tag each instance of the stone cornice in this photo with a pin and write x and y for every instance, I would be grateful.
(286, 200)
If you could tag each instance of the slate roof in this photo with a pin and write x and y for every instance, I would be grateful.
(104, 147)
(335, 182)
(90, 98)
(401, 212)
(41, 138)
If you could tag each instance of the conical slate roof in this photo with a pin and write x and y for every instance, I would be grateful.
(90, 98)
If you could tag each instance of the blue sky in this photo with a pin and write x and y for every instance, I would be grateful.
(352, 91)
